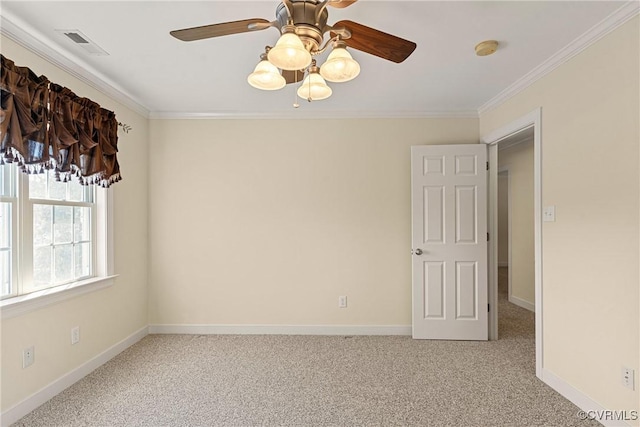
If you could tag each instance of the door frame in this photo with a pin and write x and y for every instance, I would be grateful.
(530, 120)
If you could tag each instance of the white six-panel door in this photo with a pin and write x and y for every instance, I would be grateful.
(449, 241)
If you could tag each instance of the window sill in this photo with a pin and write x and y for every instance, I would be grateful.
(23, 304)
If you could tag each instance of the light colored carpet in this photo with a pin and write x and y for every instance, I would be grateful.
(231, 380)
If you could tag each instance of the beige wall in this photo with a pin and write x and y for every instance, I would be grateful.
(503, 219)
(105, 317)
(269, 221)
(519, 160)
(590, 171)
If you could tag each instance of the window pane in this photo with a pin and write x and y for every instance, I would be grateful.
(83, 260)
(7, 180)
(57, 189)
(64, 263)
(62, 224)
(76, 191)
(81, 224)
(89, 192)
(38, 186)
(42, 223)
(5, 273)
(42, 265)
(5, 225)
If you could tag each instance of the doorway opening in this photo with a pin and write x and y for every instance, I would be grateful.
(514, 133)
(515, 237)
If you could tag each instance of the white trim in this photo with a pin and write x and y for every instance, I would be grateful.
(518, 125)
(31, 39)
(308, 114)
(281, 329)
(22, 304)
(492, 228)
(522, 303)
(105, 247)
(510, 231)
(577, 397)
(21, 409)
(532, 119)
(595, 33)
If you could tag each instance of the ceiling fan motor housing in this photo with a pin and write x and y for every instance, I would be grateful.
(304, 19)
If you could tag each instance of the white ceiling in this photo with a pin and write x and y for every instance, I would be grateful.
(443, 76)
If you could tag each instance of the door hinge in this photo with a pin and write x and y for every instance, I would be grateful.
(489, 307)
(487, 165)
(487, 237)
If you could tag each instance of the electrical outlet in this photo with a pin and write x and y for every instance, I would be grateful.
(628, 378)
(75, 335)
(342, 301)
(28, 357)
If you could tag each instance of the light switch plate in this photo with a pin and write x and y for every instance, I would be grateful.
(549, 214)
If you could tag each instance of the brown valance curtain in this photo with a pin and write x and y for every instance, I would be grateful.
(46, 126)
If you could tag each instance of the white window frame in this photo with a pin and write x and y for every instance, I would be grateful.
(13, 199)
(103, 256)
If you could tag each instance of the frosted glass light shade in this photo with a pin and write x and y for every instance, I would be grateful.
(266, 77)
(340, 66)
(314, 88)
(289, 53)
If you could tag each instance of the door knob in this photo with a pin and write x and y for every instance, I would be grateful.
(418, 251)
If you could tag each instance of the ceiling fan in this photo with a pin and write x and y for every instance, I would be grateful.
(303, 25)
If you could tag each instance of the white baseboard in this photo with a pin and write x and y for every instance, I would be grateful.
(281, 329)
(21, 409)
(503, 264)
(522, 303)
(582, 401)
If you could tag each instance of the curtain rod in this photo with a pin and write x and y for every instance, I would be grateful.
(125, 127)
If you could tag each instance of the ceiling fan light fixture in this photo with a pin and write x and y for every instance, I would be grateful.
(340, 65)
(314, 88)
(289, 52)
(266, 77)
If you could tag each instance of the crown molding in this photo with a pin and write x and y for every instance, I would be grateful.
(31, 39)
(595, 33)
(298, 114)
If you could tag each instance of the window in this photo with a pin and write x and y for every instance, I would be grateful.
(54, 235)
(8, 205)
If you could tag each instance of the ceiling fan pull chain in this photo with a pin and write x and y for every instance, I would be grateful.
(295, 97)
(295, 84)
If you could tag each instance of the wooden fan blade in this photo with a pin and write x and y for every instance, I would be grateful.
(376, 42)
(217, 30)
(293, 76)
(341, 4)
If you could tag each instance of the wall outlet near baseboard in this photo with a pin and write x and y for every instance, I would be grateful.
(342, 301)
(628, 378)
(28, 356)
(75, 335)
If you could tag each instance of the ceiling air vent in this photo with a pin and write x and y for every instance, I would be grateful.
(78, 39)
